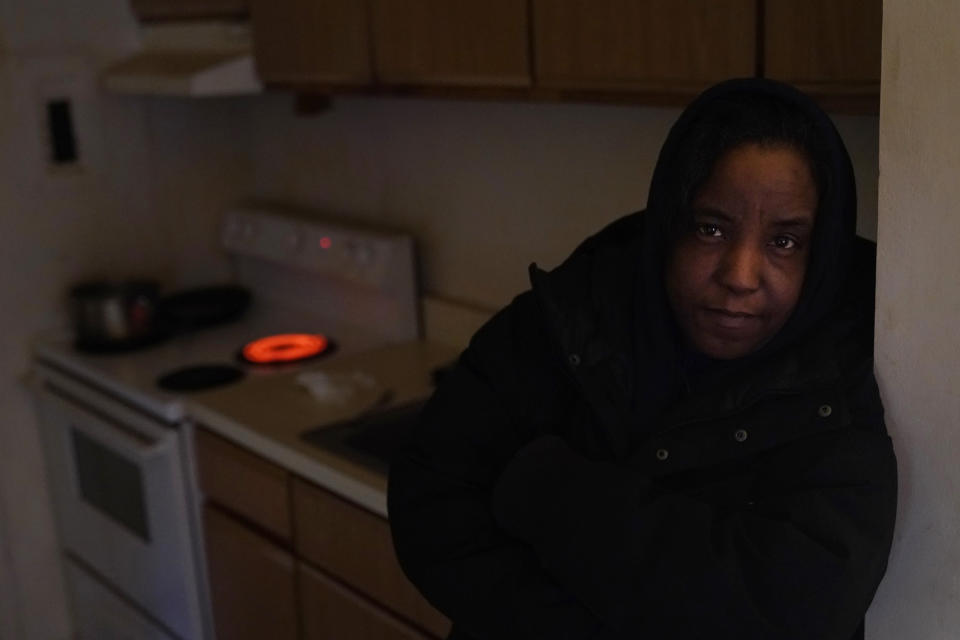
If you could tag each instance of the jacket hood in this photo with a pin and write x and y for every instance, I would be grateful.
(608, 300)
(834, 230)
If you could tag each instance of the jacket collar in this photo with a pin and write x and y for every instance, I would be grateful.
(595, 336)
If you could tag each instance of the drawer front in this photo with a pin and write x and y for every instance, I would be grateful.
(331, 610)
(99, 613)
(244, 483)
(354, 545)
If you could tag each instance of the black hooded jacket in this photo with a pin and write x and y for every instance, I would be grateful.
(572, 479)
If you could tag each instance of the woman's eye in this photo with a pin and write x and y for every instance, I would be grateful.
(784, 242)
(709, 230)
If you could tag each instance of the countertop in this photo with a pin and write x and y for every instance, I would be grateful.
(268, 414)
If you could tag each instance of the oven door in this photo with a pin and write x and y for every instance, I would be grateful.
(120, 500)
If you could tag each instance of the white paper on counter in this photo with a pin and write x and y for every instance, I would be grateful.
(339, 388)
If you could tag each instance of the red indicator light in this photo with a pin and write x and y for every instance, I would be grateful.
(326, 242)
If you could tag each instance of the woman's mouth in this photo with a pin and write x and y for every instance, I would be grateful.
(732, 320)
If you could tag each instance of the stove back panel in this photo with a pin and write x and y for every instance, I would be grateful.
(348, 275)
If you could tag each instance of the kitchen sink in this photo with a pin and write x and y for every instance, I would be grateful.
(370, 440)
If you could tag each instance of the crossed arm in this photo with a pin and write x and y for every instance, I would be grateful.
(514, 534)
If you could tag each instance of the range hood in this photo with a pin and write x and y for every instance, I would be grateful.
(188, 59)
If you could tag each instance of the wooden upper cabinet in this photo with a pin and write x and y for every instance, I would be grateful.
(451, 42)
(653, 45)
(823, 44)
(175, 9)
(305, 42)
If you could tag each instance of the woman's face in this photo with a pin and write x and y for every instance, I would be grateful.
(735, 278)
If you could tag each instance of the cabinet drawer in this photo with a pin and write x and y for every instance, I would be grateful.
(355, 546)
(333, 611)
(100, 613)
(244, 483)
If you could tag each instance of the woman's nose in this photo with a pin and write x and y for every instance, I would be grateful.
(741, 268)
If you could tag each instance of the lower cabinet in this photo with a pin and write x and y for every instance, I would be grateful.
(332, 611)
(335, 578)
(252, 581)
(354, 546)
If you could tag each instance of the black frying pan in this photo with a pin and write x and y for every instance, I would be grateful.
(202, 307)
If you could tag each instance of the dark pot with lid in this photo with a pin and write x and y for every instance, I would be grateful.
(114, 315)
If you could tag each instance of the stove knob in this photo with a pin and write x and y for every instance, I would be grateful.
(293, 241)
(230, 232)
(363, 254)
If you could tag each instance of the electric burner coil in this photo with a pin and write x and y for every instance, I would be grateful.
(285, 348)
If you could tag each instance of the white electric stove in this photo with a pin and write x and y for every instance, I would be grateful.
(356, 287)
(133, 376)
(119, 448)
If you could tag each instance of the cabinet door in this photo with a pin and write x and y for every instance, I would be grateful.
(354, 545)
(333, 611)
(652, 45)
(244, 483)
(167, 9)
(822, 43)
(451, 42)
(252, 582)
(311, 41)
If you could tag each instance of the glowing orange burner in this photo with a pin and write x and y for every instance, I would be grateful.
(285, 347)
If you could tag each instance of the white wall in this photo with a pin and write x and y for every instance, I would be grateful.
(42, 56)
(154, 177)
(918, 306)
(54, 224)
(486, 187)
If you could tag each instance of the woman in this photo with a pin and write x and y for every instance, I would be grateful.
(677, 432)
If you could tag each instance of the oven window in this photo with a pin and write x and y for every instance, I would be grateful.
(111, 483)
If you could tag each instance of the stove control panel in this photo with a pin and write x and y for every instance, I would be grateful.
(358, 255)
(348, 274)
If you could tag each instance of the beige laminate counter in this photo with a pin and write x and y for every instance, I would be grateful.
(267, 414)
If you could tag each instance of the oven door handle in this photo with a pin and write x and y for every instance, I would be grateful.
(105, 420)
(133, 446)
